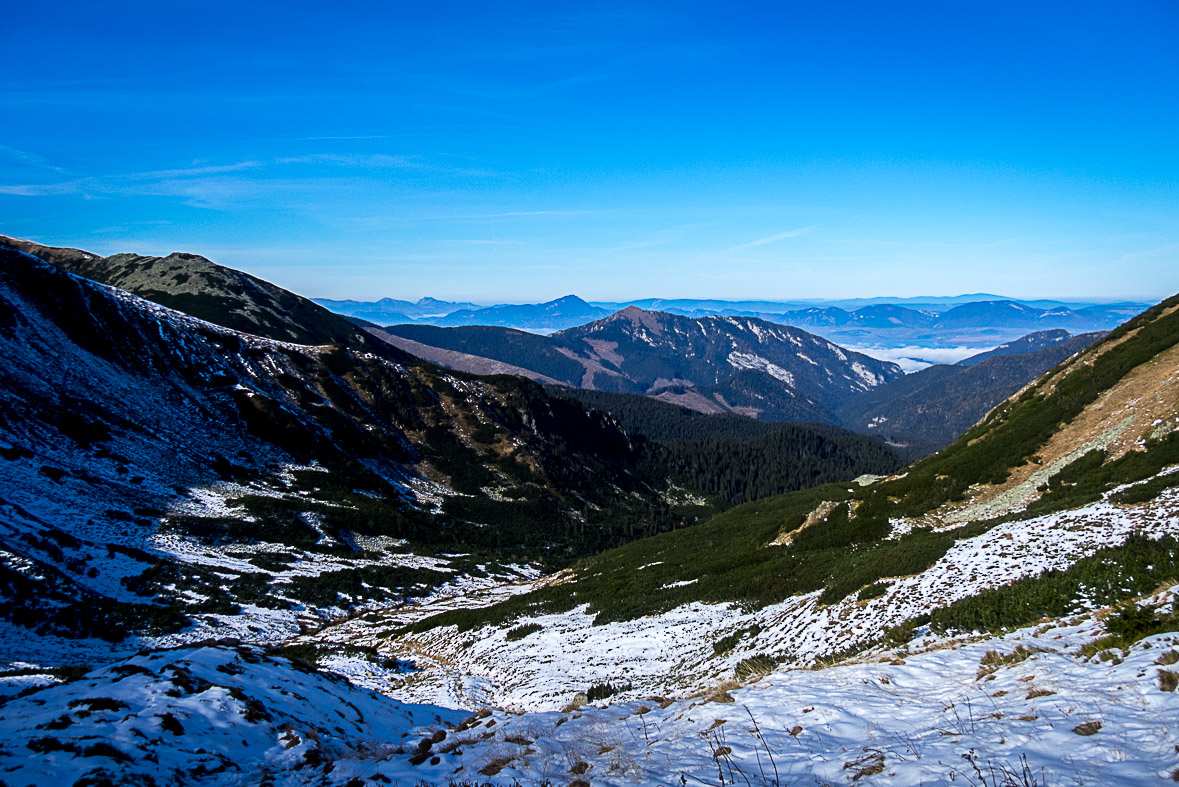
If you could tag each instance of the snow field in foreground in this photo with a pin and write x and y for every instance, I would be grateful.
(235, 716)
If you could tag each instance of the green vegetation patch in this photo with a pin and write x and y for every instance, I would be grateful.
(349, 587)
(602, 691)
(875, 590)
(522, 631)
(738, 459)
(848, 552)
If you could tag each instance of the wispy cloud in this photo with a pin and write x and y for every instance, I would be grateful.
(386, 220)
(484, 242)
(356, 160)
(384, 161)
(773, 238)
(193, 172)
(42, 189)
(173, 182)
(205, 184)
(30, 159)
(538, 213)
(663, 237)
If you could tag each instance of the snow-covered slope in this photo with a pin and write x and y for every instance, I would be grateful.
(711, 364)
(161, 474)
(1048, 717)
(207, 715)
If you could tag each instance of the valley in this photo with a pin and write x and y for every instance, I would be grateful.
(245, 540)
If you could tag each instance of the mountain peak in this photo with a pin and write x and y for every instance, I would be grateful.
(567, 300)
(638, 318)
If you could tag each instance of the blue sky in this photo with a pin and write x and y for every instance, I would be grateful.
(520, 152)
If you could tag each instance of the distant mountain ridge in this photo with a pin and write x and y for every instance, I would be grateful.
(711, 364)
(979, 318)
(1031, 343)
(390, 310)
(551, 316)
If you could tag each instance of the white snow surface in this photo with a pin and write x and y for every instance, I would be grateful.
(211, 715)
(672, 653)
(740, 360)
(235, 716)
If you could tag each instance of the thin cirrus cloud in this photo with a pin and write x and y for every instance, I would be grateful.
(193, 172)
(361, 136)
(385, 161)
(125, 183)
(34, 160)
(42, 189)
(179, 181)
(773, 238)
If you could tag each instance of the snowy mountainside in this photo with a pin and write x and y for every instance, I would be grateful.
(204, 714)
(650, 347)
(711, 364)
(935, 713)
(1038, 340)
(676, 652)
(161, 474)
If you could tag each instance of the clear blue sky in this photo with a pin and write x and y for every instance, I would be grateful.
(515, 152)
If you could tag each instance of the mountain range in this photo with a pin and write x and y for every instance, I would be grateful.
(390, 310)
(972, 320)
(228, 557)
(748, 366)
(996, 530)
